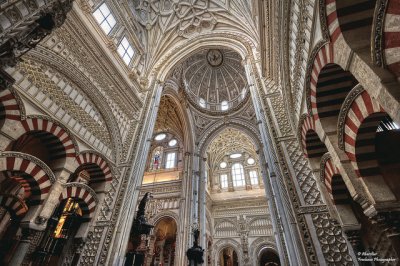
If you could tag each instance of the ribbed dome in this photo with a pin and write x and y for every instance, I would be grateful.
(215, 78)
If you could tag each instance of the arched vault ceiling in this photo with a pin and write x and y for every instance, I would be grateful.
(170, 22)
(230, 140)
(169, 118)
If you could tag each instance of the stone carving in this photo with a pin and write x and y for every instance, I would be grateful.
(353, 94)
(332, 242)
(304, 175)
(185, 16)
(140, 225)
(38, 75)
(377, 37)
(32, 30)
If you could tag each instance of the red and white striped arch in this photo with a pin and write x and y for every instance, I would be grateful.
(334, 183)
(322, 58)
(329, 171)
(392, 36)
(332, 20)
(30, 175)
(41, 124)
(9, 105)
(86, 200)
(87, 158)
(311, 143)
(363, 107)
(15, 205)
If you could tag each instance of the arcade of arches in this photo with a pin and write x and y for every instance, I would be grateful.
(271, 127)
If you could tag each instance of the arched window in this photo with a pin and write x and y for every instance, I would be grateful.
(238, 175)
(156, 158)
(224, 181)
(253, 177)
(170, 163)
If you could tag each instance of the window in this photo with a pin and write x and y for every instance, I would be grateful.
(253, 177)
(160, 136)
(223, 165)
(170, 163)
(238, 175)
(105, 19)
(235, 155)
(250, 161)
(172, 142)
(125, 50)
(224, 181)
(224, 105)
(156, 158)
(202, 103)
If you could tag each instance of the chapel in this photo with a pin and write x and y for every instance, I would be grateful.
(200, 132)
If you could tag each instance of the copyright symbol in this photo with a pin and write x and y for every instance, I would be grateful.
(358, 253)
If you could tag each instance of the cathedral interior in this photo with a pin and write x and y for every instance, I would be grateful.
(253, 132)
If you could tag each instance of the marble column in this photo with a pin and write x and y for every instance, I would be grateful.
(137, 170)
(185, 211)
(202, 205)
(286, 235)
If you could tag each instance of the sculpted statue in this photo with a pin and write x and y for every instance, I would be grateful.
(141, 227)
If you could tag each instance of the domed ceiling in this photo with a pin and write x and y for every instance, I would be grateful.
(215, 79)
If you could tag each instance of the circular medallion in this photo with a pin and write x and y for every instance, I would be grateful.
(214, 57)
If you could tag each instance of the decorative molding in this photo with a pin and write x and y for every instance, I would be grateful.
(312, 209)
(378, 28)
(344, 110)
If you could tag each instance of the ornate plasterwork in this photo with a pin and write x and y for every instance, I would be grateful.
(221, 79)
(332, 241)
(67, 42)
(378, 33)
(45, 79)
(184, 16)
(229, 141)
